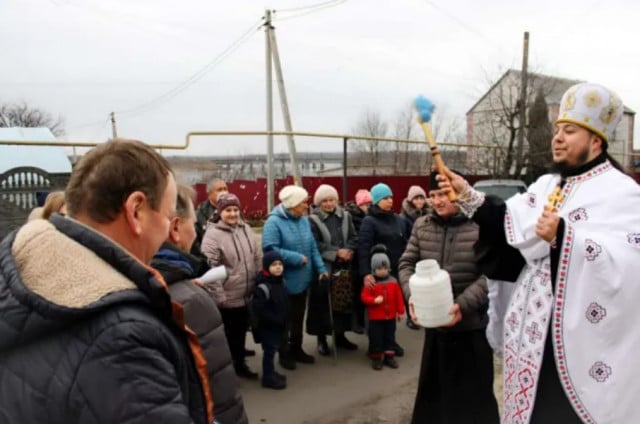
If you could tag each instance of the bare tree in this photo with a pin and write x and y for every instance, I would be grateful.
(539, 135)
(448, 128)
(22, 115)
(407, 158)
(496, 122)
(405, 127)
(371, 124)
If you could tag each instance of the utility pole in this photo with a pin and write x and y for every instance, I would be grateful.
(269, 87)
(523, 104)
(297, 180)
(114, 133)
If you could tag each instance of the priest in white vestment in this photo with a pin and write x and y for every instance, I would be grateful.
(572, 244)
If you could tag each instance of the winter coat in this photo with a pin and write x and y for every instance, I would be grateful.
(333, 231)
(392, 301)
(450, 242)
(357, 214)
(87, 334)
(237, 250)
(202, 315)
(272, 311)
(204, 212)
(410, 213)
(381, 227)
(292, 238)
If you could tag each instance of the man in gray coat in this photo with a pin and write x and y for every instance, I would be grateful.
(180, 271)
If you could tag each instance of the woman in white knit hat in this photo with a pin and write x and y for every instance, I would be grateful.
(337, 240)
(287, 231)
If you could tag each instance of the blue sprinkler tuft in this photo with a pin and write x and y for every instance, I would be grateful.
(425, 108)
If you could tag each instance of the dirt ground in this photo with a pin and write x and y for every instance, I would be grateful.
(392, 406)
(346, 391)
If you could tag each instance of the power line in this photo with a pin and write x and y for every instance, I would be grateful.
(317, 8)
(83, 83)
(461, 22)
(89, 124)
(310, 6)
(196, 76)
(101, 130)
(141, 22)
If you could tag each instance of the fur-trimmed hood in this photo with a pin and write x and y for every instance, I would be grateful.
(48, 279)
(411, 212)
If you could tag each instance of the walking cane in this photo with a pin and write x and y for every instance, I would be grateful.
(333, 330)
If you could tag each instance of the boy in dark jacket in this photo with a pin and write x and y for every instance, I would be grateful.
(271, 309)
(385, 304)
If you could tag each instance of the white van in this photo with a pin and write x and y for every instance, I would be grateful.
(504, 189)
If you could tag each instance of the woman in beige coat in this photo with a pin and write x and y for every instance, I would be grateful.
(231, 243)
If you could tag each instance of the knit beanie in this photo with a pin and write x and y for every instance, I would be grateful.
(415, 191)
(324, 192)
(227, 199)
(362, 197)
(379, 259)
(379, 192)
(270, 257)
(292, 195)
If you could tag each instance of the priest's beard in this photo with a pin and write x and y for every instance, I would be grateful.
(563, 167)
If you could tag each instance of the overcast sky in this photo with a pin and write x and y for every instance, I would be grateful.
(82, 59)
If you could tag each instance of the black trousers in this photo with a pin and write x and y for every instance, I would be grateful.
(382, 337)
(293, 332)
(235, 322)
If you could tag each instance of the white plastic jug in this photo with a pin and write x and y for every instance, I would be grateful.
(431, 294)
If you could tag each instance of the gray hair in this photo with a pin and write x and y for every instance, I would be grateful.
(184, 202)
(213, 183)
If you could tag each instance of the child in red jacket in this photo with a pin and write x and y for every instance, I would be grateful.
(385, 305)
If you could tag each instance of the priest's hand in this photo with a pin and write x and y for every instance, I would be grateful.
(547, 225)
(457, 315)
(451, 181)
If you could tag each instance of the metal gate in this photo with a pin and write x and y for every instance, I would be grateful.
(18, 190)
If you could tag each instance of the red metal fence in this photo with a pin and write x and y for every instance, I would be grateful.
(253, 193)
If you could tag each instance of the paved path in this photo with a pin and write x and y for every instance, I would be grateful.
(346, 392)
